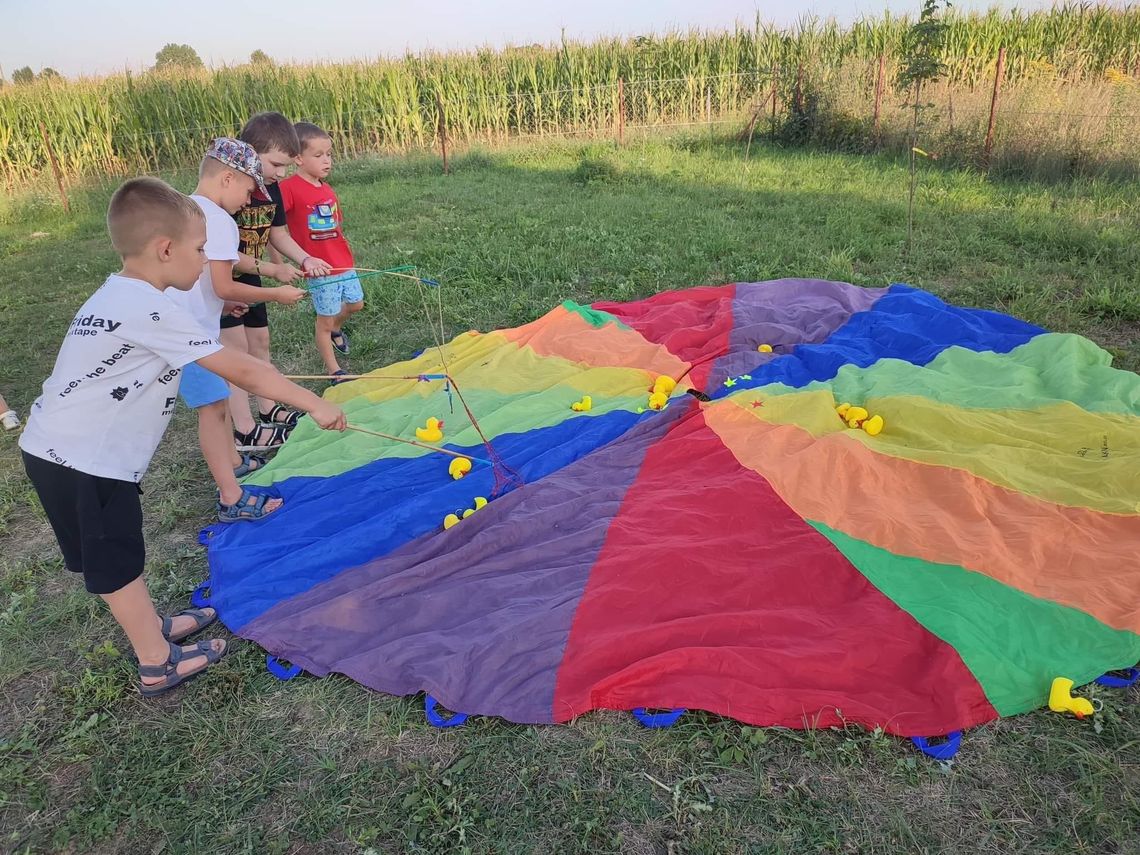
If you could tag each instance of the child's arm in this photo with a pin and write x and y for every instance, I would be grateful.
(261, 378)
(283, 273)
(221, 274)
(282, 241)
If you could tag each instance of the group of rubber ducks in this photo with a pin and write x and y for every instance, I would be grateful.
(858, 417)
(663, 387)
(454, 519)
(432, 431)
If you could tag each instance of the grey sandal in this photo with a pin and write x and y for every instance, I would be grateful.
(169, 669)
(201, 621)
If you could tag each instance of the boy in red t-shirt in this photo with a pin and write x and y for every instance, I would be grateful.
(313, 215)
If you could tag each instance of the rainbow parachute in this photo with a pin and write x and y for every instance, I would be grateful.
(742, 550)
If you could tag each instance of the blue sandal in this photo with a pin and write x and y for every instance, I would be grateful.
(250, 506)
(343, 346)
(337, 374)
(249, 463)
(201, 621)
(169, 669)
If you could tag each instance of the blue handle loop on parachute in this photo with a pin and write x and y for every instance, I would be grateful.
(437, 720)
(941, 751)
(207, 534)
(1120, 682)
(200, 599)
(280, 670)
(665, 719)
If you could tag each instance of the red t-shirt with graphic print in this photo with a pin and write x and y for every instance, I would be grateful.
(313, 215)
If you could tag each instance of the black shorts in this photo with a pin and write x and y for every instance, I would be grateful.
(256, 316)
(97, 521)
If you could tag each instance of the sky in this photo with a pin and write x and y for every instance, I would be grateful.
(80, 37)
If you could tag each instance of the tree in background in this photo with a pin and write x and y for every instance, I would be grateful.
(260, 57)
(922, 64)
(23, 76)
(49, 73)
(177, 56)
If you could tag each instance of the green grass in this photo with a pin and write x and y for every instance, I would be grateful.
(241, 763)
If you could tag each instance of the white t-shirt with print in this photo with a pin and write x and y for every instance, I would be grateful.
(114, 385)
(221, 245)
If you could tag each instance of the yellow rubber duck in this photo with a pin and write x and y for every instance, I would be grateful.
(664, 385)
(432, 431)
(658, 400)
(1061, 699)
(459, 467)
(873, 425)
(765, 348)
(582, 406)
(449, 521)
(842, 410)
(480, 503)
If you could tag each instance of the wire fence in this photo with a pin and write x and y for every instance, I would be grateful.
(1042, 125)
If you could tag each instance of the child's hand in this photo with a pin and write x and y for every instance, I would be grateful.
(286, 274)
(288, 295)
(234, 310)
(329, 416)
(314, 266)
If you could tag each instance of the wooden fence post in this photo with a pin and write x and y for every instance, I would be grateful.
(879, 94)
(708, 109)
(621, 111)
(55, 169)
(989, 145)
(442, 130)
(775, 73)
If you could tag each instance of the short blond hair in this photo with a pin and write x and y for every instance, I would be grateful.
(143, 209)
(211, 166)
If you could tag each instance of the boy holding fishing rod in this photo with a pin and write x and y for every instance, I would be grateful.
(315, 222)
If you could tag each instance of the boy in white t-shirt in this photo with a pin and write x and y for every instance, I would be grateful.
(229, 173)
(91, 434)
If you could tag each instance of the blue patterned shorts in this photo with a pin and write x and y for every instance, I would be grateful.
(329, 293)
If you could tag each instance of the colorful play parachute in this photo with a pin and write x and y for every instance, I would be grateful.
(743, 550)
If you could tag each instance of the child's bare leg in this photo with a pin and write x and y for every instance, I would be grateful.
(257, 341)
(133, 609)
(7, 416)
(325, 325)
(347, 310)
(216, 440)
(239, 399)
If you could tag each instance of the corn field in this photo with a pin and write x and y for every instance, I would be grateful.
(146, 122)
